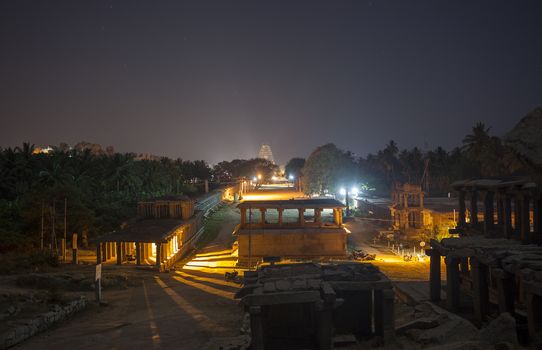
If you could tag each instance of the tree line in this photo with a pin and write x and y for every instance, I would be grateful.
(329, 168)
(100, 188)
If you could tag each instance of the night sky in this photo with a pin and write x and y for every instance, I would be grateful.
(214, 79)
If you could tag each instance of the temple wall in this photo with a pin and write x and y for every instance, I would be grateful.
(294, 244)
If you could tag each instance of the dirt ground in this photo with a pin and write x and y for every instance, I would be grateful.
(185, 309)
(361, 237)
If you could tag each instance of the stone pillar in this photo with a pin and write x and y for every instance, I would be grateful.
(384, 318)
(243, 217)
(462, 208)
(480, 290)
(474, 208)
(280, 210)
(434, 274)
(104, 256)
(452, 283)
(488, 212)
(98, 253)
(262, 214)
(301, 216)
(158, 254)
(533, 305)
(500, 210)
(507, 220)
(119, 253)
(506, 288)
(517, 215)
(324, 325)
(318, 216)
(256, 327)
(138, 253)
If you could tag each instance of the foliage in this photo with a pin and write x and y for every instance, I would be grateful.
(34, 260)
(481, 155)
(328, 169)
(244, 168)
(101, 188)
(294, 167)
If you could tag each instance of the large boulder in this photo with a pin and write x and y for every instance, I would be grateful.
(452, 328)
(525, 137)
(500, 330)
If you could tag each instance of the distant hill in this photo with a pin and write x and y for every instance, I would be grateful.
(526, 137)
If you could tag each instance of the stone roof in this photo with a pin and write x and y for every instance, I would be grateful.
(151, 230)
(519, 182)
(293, 203)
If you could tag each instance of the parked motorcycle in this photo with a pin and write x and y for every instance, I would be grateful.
(360, 255)
(233, 277)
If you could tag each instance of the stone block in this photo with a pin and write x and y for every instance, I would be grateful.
(283, 285)
(500, 330)
(420, 323)
(269, 287)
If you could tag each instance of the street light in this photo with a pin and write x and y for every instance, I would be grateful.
(353, 192)
(291, 177)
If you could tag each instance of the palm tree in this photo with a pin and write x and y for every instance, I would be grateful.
(476, 143)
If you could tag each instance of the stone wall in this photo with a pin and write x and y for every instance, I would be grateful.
(293, 243)
(29, 328)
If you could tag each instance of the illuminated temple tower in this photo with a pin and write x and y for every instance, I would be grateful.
(265, 153)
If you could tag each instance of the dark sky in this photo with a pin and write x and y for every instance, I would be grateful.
(214, 79)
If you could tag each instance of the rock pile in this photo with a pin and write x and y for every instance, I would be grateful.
(436, 328)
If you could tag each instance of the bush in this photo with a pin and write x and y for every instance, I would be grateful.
(34, 260)
(43, 258)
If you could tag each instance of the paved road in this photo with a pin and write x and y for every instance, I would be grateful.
(184, 309)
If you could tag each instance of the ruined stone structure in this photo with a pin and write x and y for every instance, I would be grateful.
(406, 207)
(266, 153)
(305, 228)
(304, 306)
(495, 261)
(413, 214)
(511, 208)
(165, 226)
